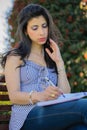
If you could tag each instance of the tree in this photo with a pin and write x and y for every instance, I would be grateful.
(72, 23)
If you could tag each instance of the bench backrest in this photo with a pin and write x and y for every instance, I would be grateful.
(5, 106)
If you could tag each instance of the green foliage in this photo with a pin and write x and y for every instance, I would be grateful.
(73, 25)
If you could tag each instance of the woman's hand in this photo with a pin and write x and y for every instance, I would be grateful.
(63, 83)
(49, 93)
(55, 55)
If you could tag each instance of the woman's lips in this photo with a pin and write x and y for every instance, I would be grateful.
(42, 39)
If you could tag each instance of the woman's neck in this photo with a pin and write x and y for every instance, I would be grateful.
(37, 55)
(37, 49)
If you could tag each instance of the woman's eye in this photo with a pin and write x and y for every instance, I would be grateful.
(34, 28)
(44, 25)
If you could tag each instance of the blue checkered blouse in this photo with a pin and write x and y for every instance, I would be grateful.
(32, 77)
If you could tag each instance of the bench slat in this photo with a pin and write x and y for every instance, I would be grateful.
(4, 127)
(4, 97)
(5, 108)
(2, 79)
(4, 118)
(3, 88)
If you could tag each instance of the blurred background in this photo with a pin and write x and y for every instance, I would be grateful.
(70, 16)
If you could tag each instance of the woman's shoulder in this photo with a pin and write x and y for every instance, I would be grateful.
(13, 60)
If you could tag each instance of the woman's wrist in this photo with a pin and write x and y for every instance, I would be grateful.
(59, 62)
(34, 97)
(61, 70)
(60, 67)
(30, 98)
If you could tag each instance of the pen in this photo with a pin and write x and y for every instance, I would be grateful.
(51, 83)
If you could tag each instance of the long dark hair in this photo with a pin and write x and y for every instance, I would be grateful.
(24, 48)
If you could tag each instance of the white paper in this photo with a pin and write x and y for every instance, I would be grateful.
(61, 99)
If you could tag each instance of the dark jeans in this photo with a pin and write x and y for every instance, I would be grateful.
(65, 116)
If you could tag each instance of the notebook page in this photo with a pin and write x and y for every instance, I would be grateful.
(61, 99)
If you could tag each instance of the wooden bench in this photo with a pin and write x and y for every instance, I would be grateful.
(5, 106)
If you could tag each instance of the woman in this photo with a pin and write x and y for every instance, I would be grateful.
(26, 69)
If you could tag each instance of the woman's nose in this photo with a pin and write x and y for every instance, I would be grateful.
(41, 31)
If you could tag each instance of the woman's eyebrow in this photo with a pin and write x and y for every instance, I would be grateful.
(44, 23)
(37, 24)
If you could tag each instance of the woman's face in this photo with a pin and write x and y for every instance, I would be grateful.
(37, 30)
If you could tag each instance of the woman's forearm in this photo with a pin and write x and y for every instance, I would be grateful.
(63, 82)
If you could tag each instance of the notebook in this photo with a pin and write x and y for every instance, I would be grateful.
(68, 97)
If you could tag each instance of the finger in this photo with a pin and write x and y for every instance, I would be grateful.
(54, 91)
(60, 90)
(53, 96)
(53, 88)
(53, 44)
(51, 41)
(48, 52)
